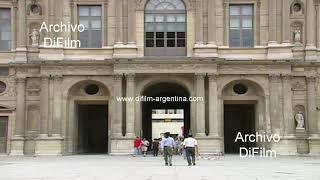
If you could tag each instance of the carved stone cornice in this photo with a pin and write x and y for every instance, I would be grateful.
(213, 77)
(199, 76)
(311, 79)
(274, 77)
(20, 80)
(287, 77)
(57, 77)
(130, 77)
(117, 77)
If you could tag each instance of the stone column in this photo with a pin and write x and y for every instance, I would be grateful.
(21, 50)
(199, 22)
(119, 22)
(285, 21)
(21, 22)
(131, 22)
(211, 22)
(44, 106)
(17, 141)
(312, 111)
(20, 108)
(14, 13)
(200, 106)
(213, 106)
(117, 118)
(66, 18)
(311, 24)
(130, 105)
(272, 21)
(287, 106)
(318, 24)
(274, 104)
(57, 103)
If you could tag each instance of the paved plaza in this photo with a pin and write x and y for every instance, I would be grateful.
(103, 167)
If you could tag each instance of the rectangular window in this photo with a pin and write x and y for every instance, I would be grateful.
(5, 29)
(241, 26)
(90, 17)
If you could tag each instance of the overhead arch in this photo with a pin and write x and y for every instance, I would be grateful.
(142, 4)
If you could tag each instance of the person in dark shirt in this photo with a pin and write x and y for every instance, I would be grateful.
(155, 146)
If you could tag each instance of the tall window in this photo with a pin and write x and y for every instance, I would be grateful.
(5, 29)
(241, 26)
(90, 17)
(165, 28)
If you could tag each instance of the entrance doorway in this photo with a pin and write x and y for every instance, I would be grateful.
(238, 118)
(92, 129)
(175, 93)
(3, 134)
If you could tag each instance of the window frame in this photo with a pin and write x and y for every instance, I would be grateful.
(90, 18)
(241, 28)
(165, 50)
(11, 41)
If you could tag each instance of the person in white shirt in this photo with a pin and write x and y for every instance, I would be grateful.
(190, 144)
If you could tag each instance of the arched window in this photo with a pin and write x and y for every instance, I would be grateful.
(165, 28)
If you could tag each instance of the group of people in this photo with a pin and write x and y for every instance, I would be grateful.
(140, 146)
(188, 148)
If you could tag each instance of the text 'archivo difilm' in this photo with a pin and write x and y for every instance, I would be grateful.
(259, 138)
(60, 41)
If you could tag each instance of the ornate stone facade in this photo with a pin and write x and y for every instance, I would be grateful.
(44, 85)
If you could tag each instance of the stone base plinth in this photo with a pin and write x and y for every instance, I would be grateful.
(311, 53)
(48, 146)
(17, 146)
(210, 145)
(286, 146)
(124, 51)
(121, 146)
(314, 145)
(279, 51)
(21, 55)
(208, 50)
(53, 54)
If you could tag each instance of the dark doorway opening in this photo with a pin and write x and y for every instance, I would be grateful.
(3, 134)
(93, 129)
(164, 90)
(238, 118)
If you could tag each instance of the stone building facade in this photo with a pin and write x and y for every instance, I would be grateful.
(255, 61)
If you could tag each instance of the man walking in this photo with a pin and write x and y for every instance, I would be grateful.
(191, 145)
(167, 145)
(155, 147)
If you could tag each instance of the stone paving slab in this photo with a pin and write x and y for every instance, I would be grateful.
(103, 167)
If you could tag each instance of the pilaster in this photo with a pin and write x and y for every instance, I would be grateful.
(130, 105)
(200, 105)
(17, 142)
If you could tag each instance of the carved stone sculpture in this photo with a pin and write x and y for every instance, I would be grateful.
(300, 120)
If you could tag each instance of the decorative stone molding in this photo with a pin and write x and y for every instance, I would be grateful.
(287, 77)
(140, 4)
(130, 77)
(311, 79)
(274, 77)
(213, 77)
(117, 77)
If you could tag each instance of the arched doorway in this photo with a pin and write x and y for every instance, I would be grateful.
(172, 114)
(165, 28)
(243, 112)
(88, 119)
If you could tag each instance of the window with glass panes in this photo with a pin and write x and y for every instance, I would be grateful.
(241, 26)
(165, 28)
(90, 17)
(5, 29)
